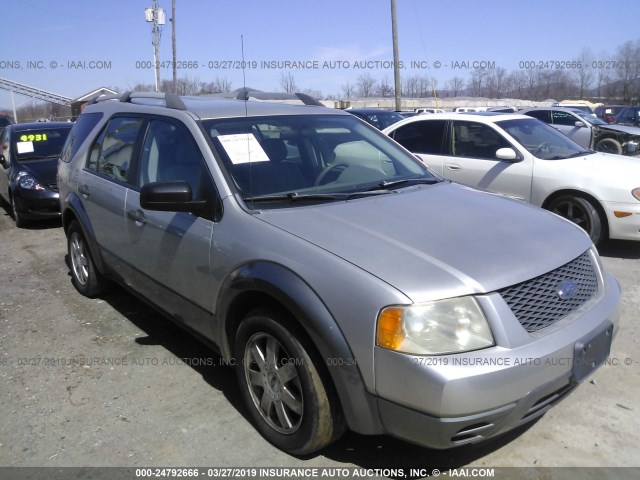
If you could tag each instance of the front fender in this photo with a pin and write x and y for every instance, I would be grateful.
(263, 279)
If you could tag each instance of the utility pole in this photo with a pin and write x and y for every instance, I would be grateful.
(156, 16)
(396, 55)
(173, 46)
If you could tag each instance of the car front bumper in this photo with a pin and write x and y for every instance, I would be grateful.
(37, 204)
(623, 228)
(450, 400)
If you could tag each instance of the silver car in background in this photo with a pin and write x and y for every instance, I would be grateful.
(590, 131)
(349, 286)
(526, 159)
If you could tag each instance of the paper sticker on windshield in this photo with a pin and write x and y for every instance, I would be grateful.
(24, 147)
(243, 148)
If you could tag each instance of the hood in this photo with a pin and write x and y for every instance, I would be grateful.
(621, 128)
(45, 170)
(438, 241)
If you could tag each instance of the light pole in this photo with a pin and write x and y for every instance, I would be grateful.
(156, 16)
(396, 56)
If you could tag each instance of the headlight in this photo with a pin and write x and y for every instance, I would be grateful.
(636, 193)
(446, 326)
(28, 182)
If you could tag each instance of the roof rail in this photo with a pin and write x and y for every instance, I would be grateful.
(171, 100)
(246, 94)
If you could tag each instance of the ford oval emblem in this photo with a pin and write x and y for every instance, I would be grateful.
(567, 289)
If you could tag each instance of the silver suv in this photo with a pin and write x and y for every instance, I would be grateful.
(350, 287)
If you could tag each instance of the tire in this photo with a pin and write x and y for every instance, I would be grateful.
(84, 275)
(609, 145)
(583, 213)
(283, 390)
(17, 216)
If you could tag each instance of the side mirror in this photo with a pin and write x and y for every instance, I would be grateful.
(508, 154)
(173, 196)
(579, 124)
(3, 161)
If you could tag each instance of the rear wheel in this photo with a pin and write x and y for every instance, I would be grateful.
(282, 388)
(84, 275)
(581, 212)
(609, 145)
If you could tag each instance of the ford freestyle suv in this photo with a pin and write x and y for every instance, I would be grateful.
(348, 285)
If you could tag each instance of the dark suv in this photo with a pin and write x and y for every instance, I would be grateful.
(349, 286)
(628, 116)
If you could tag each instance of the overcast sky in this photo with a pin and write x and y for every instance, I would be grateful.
(71, 47)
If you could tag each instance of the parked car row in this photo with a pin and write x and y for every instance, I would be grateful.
(351, 285)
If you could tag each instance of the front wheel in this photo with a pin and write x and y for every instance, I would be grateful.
(581, 212)
(17, 216)
(609, 145)
(282, 388)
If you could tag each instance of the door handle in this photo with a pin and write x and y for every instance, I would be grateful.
(137, 216)
(84, 190)
(453, 166)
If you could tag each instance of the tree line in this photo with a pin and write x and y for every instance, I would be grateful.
(602, 77)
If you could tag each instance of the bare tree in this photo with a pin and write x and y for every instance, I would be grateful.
(496, 82)
(288, 83)
(584, 72)
(455, 85)
(219, 85)
(385, 89)
(478, 82)
(366, 85)
(347, 90)
(411, 87)
(628, 70)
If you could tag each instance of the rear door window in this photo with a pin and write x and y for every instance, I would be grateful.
(113, 151)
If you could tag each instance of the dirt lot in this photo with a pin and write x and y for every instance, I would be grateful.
(170, 403)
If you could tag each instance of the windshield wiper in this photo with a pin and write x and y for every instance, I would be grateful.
(299, 197)
(385, 185)
(573, 155)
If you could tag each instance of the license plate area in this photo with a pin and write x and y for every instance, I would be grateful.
(591, 351)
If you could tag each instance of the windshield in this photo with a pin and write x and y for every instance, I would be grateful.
(541, 140)
(592, 119)
(298, 156)
(381, 120)
(39, 143)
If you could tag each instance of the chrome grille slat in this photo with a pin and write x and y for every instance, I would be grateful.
(536, 303)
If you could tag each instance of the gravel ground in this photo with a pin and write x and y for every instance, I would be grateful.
(104, 382)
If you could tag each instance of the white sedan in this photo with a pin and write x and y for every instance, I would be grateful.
(524, 158)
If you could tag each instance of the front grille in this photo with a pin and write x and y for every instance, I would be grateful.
(537, 304)
(53, 187)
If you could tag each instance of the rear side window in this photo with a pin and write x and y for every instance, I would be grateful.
(112, 153)
(422, 137)
(544, 115)
(78, 135)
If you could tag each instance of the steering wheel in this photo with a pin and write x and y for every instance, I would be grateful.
(543, 147)
(321, 176)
